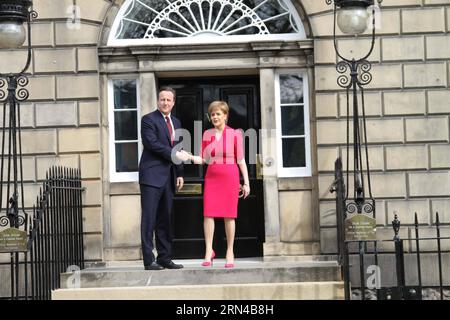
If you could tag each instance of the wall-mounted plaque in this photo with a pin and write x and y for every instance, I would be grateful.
(13, 240)
(191, 188)
(360, 227)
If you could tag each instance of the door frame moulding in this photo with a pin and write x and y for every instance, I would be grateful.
(201, 58)
(152, 62)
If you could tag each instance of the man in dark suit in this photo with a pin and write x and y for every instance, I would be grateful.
(158, 176)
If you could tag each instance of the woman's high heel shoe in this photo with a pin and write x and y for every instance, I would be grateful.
(209, 263)
(227, 264)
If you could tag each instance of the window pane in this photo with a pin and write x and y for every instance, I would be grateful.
(139, 12)
(294, 153)
(125, 94)
(238, 108)
(215, 18)
(292, 120)
(125, 125)
(291, 88)
(127, 157)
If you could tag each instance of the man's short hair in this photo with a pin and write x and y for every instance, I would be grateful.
(170, 89)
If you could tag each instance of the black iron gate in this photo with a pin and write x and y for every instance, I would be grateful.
(55, 239)
(391, 268)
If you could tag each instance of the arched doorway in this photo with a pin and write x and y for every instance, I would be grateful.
(147, 45)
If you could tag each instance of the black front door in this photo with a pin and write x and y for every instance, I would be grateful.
(193, 98)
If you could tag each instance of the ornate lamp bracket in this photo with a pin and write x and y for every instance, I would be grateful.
(353, 75)
(12, 93)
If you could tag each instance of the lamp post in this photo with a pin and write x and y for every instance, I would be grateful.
(353, 18)
(15, 16)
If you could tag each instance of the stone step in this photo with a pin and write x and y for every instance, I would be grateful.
(331, 290)
(245, 272)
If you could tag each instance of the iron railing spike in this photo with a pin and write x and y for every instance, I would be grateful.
(54, 241)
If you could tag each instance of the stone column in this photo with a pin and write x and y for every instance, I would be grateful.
(269, 156)
(148, 92)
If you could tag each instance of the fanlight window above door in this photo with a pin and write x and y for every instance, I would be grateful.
(205, 21)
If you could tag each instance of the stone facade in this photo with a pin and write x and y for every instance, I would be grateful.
(407, 124)
(65, 119)
(61, 118)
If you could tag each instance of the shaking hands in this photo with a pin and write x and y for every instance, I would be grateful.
(183, 156)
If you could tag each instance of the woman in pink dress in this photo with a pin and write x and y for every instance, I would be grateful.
(222, 151)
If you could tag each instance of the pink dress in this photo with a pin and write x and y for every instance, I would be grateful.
(220, 199)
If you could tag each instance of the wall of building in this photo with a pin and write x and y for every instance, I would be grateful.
(407, 107)
(61, 118)
(408, 112)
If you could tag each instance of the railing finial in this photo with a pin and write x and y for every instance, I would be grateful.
(396, 226)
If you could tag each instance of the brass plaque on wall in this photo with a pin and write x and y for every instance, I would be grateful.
(360, 227)
(191, 188)
(13, 240)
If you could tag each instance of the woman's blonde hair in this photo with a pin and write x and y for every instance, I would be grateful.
(222, 105)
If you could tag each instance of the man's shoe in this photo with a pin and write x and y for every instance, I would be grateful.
(153, 266)
(170, 265)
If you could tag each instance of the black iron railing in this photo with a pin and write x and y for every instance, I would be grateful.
(401, 275)
(391, 268)
(55, 239)
(338, 187)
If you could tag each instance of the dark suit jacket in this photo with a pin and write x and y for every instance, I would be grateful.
(156, 165)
